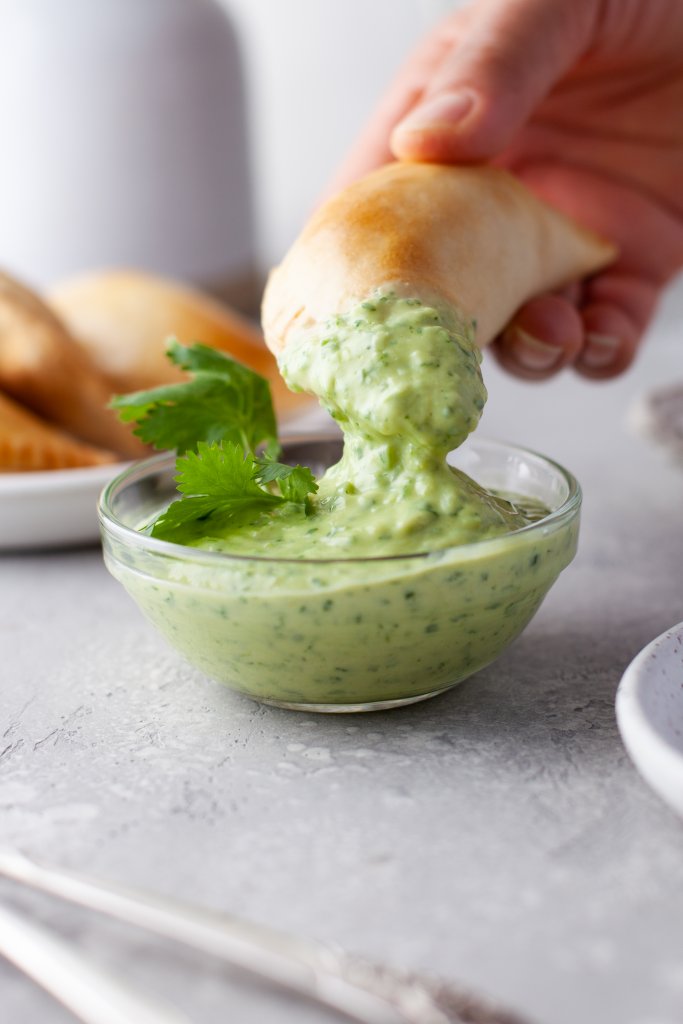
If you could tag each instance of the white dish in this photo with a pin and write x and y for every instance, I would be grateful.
(56, 508)
(650, 714)
(659, 416)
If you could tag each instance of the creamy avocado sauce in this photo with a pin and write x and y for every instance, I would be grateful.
(348, 632)
(403, 381)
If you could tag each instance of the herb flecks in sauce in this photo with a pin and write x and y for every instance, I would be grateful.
(403, 381)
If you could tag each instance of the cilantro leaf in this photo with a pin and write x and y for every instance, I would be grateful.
(215, 421)
(295, 482)
(219, 492)
(223, 401)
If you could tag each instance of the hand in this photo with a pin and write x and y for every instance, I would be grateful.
(583, 100)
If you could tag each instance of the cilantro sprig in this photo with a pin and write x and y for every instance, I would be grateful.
(222, 401)
(222, 489)
(222, 424)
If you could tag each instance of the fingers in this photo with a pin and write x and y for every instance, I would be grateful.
(372, 150)
(488, 85)
(545, 335)
(615, 306)
(610, 341)
(616, 310)
(486, 66)
(599, 337)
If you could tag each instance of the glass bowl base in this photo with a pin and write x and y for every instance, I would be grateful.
(348, 709)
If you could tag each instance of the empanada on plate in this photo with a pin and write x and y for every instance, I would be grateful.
(42, 367)
(123, 318)
(29, 443)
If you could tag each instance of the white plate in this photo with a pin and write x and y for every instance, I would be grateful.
(56, 508)
(650, 714)
(659, 416)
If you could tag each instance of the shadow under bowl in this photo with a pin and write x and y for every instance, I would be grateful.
(345, 634)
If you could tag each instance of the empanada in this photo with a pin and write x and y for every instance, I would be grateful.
(123, 318)
(471, 238)
(42, 367)
(29, 443)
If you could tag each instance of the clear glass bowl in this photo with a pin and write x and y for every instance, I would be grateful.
(352, 634)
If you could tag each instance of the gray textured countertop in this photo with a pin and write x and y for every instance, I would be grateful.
(498, 835)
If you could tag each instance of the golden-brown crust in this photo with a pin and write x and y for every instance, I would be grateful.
(29, 443)
(473, 238)
(43, 368)
(122, 318)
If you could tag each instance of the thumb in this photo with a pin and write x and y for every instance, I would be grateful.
(492, 77)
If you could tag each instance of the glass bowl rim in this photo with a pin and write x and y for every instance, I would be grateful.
(111, 525)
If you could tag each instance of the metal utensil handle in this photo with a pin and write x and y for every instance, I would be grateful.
(89, 992)
(305, 968)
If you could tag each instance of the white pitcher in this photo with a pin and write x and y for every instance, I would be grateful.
(123, 139)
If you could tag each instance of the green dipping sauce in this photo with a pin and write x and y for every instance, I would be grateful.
(407, 577)
(404, 383)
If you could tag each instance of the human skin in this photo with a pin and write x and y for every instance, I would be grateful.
(582, 100)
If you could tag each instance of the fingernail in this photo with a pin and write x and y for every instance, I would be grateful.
(600, 350)
(442, 111)
(531, 353)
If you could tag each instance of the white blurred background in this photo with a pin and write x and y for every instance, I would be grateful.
(188, 137)
(314, 69)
